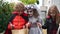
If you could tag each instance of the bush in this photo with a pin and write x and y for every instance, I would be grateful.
(5, 12)
(29, 1)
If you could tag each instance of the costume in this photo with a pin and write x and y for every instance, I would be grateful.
(17, 20)
(34, 29)
(50, 25)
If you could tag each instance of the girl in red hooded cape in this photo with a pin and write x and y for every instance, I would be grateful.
(18, 19)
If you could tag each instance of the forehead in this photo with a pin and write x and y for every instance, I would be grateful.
(29, 10)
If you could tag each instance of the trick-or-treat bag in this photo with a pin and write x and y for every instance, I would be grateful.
(44, 31)
(21, 31)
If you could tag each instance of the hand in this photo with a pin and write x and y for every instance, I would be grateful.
(10, 26)
(23, 27)
(28, 25)
(39, 24)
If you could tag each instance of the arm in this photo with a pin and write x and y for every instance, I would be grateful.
(45, 25)
(39, 22)
(10, 21)
(28, 25)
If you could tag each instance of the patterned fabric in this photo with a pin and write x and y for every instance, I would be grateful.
(23, 18)
(34, 29)
(18, 22)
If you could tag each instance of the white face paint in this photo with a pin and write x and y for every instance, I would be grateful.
(30, 12)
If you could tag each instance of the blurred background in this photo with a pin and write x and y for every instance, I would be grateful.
(6, 7)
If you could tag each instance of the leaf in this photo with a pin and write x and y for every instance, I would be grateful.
(5, 13)
(29, 1)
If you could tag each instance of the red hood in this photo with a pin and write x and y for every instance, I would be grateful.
(15, 12)
(25, 14)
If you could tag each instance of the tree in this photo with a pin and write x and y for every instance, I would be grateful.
(5, 13)
(29, 1)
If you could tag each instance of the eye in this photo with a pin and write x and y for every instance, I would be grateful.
(30, 11)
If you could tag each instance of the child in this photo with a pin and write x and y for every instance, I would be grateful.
(52, 20)
(18, 19)
(35, 22)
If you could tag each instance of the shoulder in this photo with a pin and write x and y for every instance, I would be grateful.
(48, 17)
(24, 14)
(40, 19)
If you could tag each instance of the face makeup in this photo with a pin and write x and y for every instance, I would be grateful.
(30, 12)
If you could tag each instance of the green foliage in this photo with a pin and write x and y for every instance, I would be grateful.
(5, 12)
(44, 20)
(29, 1)
(12, 5)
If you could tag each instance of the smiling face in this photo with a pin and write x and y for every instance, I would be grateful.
(52, 12)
